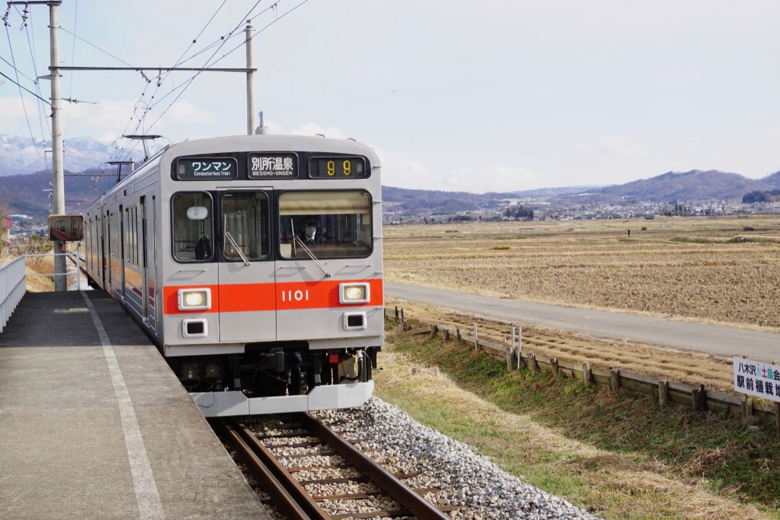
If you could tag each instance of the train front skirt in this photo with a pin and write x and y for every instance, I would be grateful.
(225, 404)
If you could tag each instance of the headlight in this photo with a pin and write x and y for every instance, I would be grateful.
(194, 299)
(354, 293)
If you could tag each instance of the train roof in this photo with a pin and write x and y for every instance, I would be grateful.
(246, 143)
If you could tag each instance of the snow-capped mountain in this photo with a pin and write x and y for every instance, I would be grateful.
(21, 155)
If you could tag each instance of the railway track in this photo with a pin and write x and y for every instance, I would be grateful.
(309, 471)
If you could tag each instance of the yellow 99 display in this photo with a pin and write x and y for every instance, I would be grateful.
(338, 168)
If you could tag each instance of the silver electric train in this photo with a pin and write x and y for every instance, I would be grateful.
(255, 265)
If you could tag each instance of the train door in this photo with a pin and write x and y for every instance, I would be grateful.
(247, 300)
(121, 252)
(107, 258)
(153, 273)
(142, 264)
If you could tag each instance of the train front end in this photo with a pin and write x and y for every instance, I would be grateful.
(272, 284)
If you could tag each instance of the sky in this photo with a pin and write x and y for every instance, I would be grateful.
(453, 95)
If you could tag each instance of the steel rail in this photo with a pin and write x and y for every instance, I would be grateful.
(295, 490)
(271, 485)
(399, 491)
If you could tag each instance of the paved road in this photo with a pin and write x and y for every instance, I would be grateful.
(710, 339)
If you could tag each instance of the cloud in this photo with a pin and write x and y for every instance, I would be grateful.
(307, 129)
(12, 120)
(314, 129)
(404, 171)
(109, 118)
(622, 145)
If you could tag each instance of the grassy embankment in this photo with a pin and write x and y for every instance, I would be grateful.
(616, 455)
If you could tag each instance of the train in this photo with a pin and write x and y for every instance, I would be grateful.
(254, 264)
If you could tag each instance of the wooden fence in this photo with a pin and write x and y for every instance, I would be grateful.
(753, 411)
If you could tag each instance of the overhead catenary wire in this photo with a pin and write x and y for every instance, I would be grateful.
(25, 89)
(95, 46)
(160, 80)
(42, 120)
(72, 60)
(21, 96)
(210, 64)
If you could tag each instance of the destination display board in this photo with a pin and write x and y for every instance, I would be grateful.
(277, 166)
(340, 167)
(66, 228)
(210, 168)
(757, 379)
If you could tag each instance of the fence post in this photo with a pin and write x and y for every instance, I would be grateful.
(519, 346)
(614, 379)
(587, 374)
(403, 321)
(696, 399)
(434, 330)
(396, 313)
(703, 398)
(476, 339)
(446, 334)
(554, 366)
(532, 364)
(663, 392)
(747, 410)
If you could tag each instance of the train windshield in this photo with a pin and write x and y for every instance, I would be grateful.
(192, 227)
(245, 225)
(330, 224)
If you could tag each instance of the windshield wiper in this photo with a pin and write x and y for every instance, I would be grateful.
(233, 243)
(311, 255)
(236, 247)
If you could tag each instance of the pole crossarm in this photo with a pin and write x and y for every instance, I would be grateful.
(160, 69)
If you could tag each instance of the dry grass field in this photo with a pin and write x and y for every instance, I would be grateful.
(704, 269)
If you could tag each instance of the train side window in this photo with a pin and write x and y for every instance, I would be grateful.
(192, 226)
(245, 225)
(329, 224)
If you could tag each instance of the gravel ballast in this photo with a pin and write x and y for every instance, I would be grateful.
(466, 479)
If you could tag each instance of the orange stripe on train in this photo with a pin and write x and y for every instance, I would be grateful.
(285, 296)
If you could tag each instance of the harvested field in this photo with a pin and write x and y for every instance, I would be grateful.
(696, 268)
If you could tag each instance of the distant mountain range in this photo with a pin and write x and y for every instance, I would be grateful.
(22, 191)
(21, 155)
(695, 185)
(692, 185)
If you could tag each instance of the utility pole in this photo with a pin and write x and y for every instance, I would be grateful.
(250, 81)
(58, 171)
(58, 185)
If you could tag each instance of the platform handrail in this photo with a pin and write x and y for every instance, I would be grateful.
(12, 287)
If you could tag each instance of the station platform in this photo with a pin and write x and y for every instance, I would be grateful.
(93, 423)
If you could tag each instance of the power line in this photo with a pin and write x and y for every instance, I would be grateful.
(208, 62)
(31, 45)
(178, 62)
(26, 89)
(95, 46)
(21, 96)
(261, 30)
(25, 76)
(72, 58)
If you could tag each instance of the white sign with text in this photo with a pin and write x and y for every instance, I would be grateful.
(757, 379)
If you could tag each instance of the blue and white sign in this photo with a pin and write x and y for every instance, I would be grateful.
(757, 379)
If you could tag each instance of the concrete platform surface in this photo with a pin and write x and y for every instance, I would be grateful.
(93, 423)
